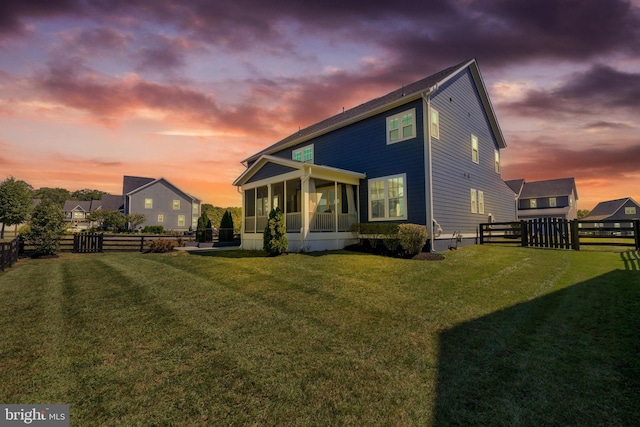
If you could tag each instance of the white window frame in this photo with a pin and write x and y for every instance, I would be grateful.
(475, 149)
(480, 202)
(553, 202)
(176, 205)
(399, 117)
(160, 218)
(474, 201)
(533, 203)
(303, 154)
(148, 203)
(194, 209)
(496, 157)
(386, 180)
(629, 210)
(181, 221)
(434, 122)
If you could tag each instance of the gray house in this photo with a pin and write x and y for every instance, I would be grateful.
(553, 198)
(161, 202)
(427, 153)
(618, 210)
(76, 211)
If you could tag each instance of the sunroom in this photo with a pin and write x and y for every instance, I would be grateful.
(319, 203)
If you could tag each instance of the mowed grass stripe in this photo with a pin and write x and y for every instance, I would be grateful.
(273, 341)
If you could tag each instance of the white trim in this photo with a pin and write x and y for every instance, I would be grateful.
(481, 202)
(436, 134)
(301, 151)
(474, 201)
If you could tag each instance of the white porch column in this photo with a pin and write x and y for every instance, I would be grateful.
(335, 204)
(305, 208)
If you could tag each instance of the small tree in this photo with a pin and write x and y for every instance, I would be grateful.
(134, 220)
(203, 231)
(275, 234)
(15, 202)
(108, 219)
(46, 228)
(226, 227)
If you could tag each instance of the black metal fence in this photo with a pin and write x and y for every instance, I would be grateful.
(562, 234)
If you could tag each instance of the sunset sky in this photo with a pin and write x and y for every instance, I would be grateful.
(91, 90)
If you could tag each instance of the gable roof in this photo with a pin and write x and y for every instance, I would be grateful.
(111, 203)
(71, 205)
(155, 181)
(515, 185)
(130, 183)
(549, 188)
(424, 87)
(312, 169)
(608, 208)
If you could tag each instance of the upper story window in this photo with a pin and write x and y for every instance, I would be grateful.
(176, 205)
(194, 208)
(474, 149)
(474, 201)
(401, 126)
(304, 154)
(148, 203)
(435, 124)
(496, 156)
(533, 203)
(553, 202)
(630, 210)
(388, 198)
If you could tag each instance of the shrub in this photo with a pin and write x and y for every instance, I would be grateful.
(46, 228)
(275, 234)
(153, 229)
(375, 228)
(164, 245)
(203, 231)
(225, 234)
(412, 237)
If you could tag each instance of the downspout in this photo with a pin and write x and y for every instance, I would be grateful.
(428, 163)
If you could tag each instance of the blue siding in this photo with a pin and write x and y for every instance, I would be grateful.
(269, 170)
(362, 147)
(454, 173)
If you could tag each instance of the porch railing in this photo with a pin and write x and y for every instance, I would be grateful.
(319, 221)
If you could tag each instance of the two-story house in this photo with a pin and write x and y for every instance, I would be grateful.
(76, 212)
(553, 198)
(161, 202)
(427, 153)
(621, 211)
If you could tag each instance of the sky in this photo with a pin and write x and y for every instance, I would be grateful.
(92, 90)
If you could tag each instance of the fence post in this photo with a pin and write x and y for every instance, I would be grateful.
(141, 243)
(636, 232)
(575, 235)
(523, 233)
(481, 234)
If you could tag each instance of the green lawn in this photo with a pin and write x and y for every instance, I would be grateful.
(488, 336)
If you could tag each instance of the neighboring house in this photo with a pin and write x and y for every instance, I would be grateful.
(161, 202)
(553, 198)
(623, 211)
(427, 153)
(76, 211)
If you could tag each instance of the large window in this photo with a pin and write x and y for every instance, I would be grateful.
(388, 198)
(630, 210)
(304, 154)
(148, 203)
(435, 124)
(401, 126)
(475, 157)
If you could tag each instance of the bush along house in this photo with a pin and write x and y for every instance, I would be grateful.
(427, 153)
